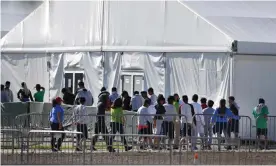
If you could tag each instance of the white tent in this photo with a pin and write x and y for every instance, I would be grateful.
(213, 49)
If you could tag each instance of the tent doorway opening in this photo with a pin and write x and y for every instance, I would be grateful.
(72, 78)
(132, 81)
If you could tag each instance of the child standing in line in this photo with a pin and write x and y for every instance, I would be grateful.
(117, 122)
(80, 120)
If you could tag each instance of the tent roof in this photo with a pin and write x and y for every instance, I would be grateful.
(251, 23)
(159, 26)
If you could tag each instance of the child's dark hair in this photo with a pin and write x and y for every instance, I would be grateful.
(117, 103)
(170, 99)
(210, 103)
(203, 100)
(54, 103)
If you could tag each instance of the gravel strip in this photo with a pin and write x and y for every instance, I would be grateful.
(142, 158)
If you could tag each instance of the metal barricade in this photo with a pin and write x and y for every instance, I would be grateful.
(266, 135)
(45, 153)
(11, 146)
(237, 129)
(223, 157)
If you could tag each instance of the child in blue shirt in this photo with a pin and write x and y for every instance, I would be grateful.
(56, 120)
(220, 120)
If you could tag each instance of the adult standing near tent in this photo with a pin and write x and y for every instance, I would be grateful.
(136, 101)
(4, 95)
(8, 91)
(24, 94)
(152, 96)
(199, 118)
(103, 91)
(233, 125)
(68, 97)
(83, 92)
(126, 101)
(39, 95)
(100, 126)
(114, 95)
(260, 113)
(56, 120)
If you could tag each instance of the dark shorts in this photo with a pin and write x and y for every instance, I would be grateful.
(82, 128)
(261, 132)
(168, 129)
(219, 127)
(146, 131)
(233, 126)
(143, 131)
(186, 128)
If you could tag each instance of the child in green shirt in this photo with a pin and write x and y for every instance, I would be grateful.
(260, 113)
(117, 121)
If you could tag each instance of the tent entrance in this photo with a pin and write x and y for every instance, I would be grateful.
(132, 81)
(72, 78)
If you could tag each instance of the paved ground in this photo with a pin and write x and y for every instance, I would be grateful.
(135, 156)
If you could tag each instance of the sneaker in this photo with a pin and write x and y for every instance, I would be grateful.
(202, 147)
(111, 150)
(209, 147)
(127, 148)
(236, 148)
(228, 148)
(54, 150)
(143, 147)
(194, 148)
(78, 149)
(183, 147)
(175, 147)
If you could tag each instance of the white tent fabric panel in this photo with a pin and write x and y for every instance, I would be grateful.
(56, 74)
(252, 23)
(31, 32)
(29, 68)
(75, 23)
(247, 29)
(205, 74)
(256, 48)
(152, 65)
(254, 78)
(112, 70)
(12, 12)
(184, 27)
(155, 72)
(59, 24)
(133, 60)
(91, 63)
(133, 24)
(94, 73)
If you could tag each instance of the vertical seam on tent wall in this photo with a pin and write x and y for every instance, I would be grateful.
(232, 63)
(102, 26)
